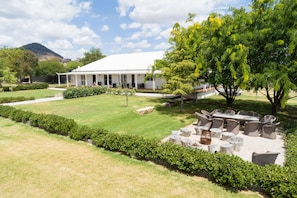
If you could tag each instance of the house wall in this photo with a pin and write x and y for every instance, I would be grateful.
(87, 80)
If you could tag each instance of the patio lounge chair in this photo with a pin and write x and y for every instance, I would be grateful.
(233, 126)
(264, 158)
(269, 130)
(251, 128)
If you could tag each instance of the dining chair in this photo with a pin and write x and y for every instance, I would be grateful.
(251, 128)
(218, 123)
(269, 130)
(233, 126)
(229, 111)
(264, 158)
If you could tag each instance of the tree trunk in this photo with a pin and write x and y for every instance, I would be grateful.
(229, 101)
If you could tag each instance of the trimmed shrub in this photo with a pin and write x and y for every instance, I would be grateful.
(83, 92)
(30, 86)
(15, 99)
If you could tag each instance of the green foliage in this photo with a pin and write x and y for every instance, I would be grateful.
(17, 63)
(91, 56)
(83, 92)
(29, 86)
(49, 68)
(15, 99)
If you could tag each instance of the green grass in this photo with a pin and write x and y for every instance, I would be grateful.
(36, 164)
(37, 93)
(110, 112)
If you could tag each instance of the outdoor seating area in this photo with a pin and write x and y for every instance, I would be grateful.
(244, 135)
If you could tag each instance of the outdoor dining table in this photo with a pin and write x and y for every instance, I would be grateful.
(236, 117)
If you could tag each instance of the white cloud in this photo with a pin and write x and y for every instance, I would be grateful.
(123, 26)
(47, 22)
(166, 11)
(105, 28)
(118, 39)
(162, 46)
(141, 44)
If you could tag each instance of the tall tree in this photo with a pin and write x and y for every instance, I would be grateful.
(91, 56)
(178, 66)
(223, 53)
(20, 62)
(50, 68)
(273, 49)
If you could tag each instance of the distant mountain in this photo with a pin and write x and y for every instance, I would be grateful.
(43, 52)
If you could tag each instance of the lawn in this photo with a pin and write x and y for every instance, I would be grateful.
(37, 93)
(37, 164)
(110, 112)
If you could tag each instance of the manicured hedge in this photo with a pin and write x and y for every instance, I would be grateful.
(83, 91)
(26, 87)
(230, 171)
(14, 99)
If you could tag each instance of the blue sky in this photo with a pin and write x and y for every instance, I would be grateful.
(72, 27)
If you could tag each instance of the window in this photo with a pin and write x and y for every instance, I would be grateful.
(83, 79)
(148, 77)
(105, 79)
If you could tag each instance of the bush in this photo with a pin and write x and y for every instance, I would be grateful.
(30, 86)
(83, 92)
(14, 99)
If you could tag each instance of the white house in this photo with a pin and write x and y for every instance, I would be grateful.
(117, 70)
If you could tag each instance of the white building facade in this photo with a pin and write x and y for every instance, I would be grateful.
(118, 70)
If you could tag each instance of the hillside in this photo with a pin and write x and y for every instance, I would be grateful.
(42, 52)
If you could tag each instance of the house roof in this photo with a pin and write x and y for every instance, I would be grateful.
(122, 63)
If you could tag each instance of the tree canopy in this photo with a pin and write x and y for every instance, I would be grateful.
(91, 56)
(254, 50)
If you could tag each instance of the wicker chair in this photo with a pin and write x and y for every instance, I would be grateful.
(268, 119)
(251, 128)
(208, 114)
(229, 111)
(233, 126)
(218, 123)
(242, 112)
(269, 130)
(264, 158)
(203, 120)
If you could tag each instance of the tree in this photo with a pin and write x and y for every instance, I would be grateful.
(50, 68)
(273, 50)
(178, 66)
(20, 62)
(71, 65)
(93, 55)
(223, 53)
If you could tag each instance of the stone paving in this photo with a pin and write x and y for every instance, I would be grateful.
(249, 145)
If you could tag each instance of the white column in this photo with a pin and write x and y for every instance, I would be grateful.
(108, 80)
(96, 79)
(67, 81)
(76, 83)
(86, 80)
(59, 80)
(136, 83)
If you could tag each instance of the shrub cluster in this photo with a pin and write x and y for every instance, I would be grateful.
(83, 91)
(15, 99)
(26, 87)
(230, 171)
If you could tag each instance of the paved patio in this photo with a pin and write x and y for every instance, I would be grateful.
(250, 145)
